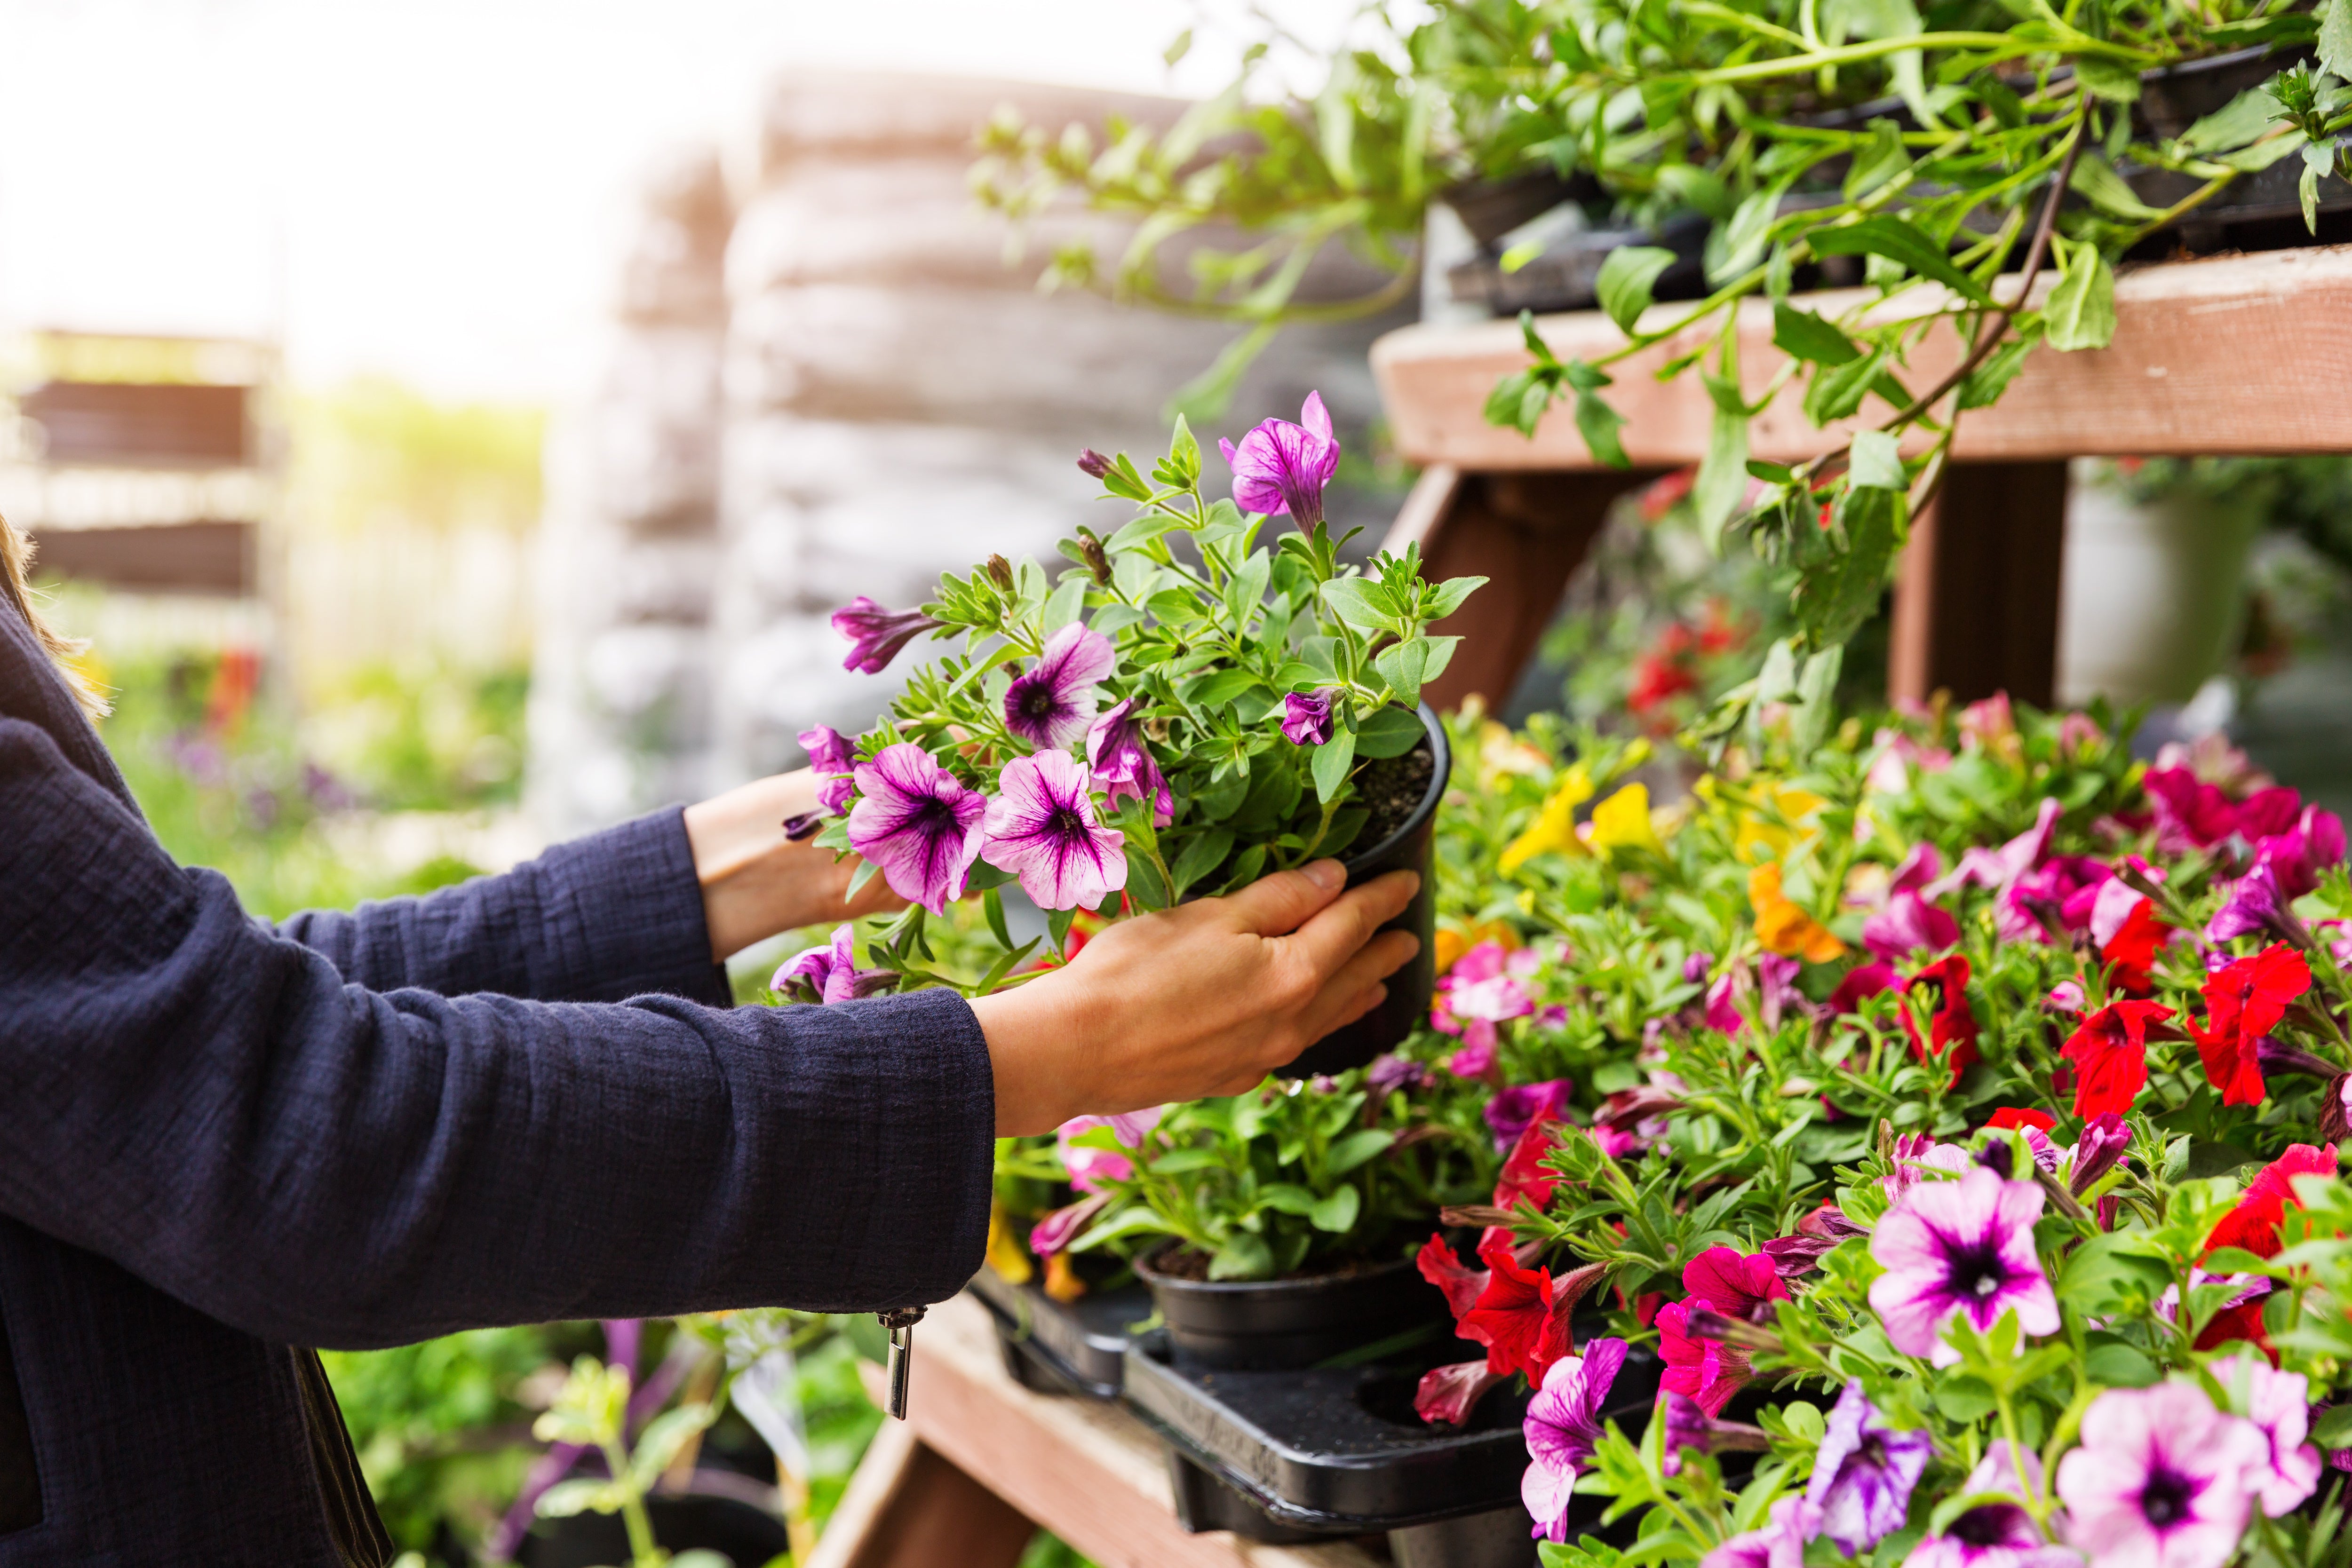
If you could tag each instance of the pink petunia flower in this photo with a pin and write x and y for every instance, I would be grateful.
(1054, 702)
(830, 973)
(2161, 1478)
(1123, 765)
(1960, 1248)
(1562, 1428)
(1995, 1534)
(917, 823)
(2279, 1404)
(1043, 829)
(1282, 467)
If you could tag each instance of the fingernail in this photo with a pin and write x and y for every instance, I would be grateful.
(1327, 874)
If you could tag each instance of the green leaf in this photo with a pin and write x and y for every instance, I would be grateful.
(1149, 526)
(2118, 1365)
(2333, 1430)
(1399, 665)
(2081, 313)
(1722, 481)
(1243, 1257)
(1331, 764)
(1391, 732)
(2234, 125)
(1200, 856)
(1982, 387)
(1282, 1197)
(2336, 40)
(991, 903)
(1876, 464)
(1838, 594)
(1447, 596)
(1903, 242)
(2104, 189)
(1355, 1149)
(1335, 1212)
(1733, 247)
(565, 1498)
(664, 1438)
(1441, 653)
(2111, 79)
(1351, 599)
(1599, 424)
(1836, 390)
(1878, 161)
(1626, 279)
(1222, 687)
(1801, 335)
(1067, 602)
(1057, 927)
(1964, 1398)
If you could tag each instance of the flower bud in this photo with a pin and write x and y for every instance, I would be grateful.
(1093, 464)
(1000, 572)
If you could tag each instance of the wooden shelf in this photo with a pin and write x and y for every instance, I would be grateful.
(2237, 354)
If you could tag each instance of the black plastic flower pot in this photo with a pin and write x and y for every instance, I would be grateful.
(1062, 1347)
(1411, 847)
(1273, 1324)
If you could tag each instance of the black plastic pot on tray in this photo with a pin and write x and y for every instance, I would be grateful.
(1409, 848)
(1273, 1325)
(1336, 1450)
(1054, 1347)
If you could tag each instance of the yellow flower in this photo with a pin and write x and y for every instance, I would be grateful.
(1501, 752)
(1554, 828)
(1783, 927)
(1062, 1282)
(1755, 838)
(1622, 821)
(1005, 1253)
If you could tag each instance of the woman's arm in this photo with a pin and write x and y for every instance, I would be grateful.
(211, 1106)
(650, 906)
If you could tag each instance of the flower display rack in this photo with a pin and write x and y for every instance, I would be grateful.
(2231, 355)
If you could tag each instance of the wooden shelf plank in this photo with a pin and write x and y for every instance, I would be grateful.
(1088, 1472)
(2238, 354)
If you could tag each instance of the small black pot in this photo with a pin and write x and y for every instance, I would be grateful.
(1274, 1324)
(1412, 847)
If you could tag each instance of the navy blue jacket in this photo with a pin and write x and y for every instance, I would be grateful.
(224, 1140)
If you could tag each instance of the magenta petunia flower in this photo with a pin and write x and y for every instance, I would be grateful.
(1514, 1110)
(1863, 1473)
(1736, 1286)
(2102, 1144)
(876, 634)
(1057, 1229)
(1780, 1543)
(1282, 467)
(1908, 924)
(832, 759)
(915, 821)
(1996, 869)
(1955, 1247)
(830, 974)
(1090, 1168)
(2297, 855)
(2279, 1404)
(2161, 1478)
(1563, 1426)
(1707, 1372)
(1053, 702)
(2256, 906)
(1995, 1534)
(1307, 717)
(1477, 1057)
(1042, 828)
(1123, 765)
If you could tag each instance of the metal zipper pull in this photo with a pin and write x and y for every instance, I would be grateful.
(901, 1323)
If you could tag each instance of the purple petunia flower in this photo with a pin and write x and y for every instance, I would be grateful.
(1123, 765)
(830, 974)
(2279, 1404)
(1389, 1073)
(1563, 1424)
(1995, 1534)
(2162, 1477)
(1053, 702)
(876, 634)
(2102, 1141)
(1863, 1473)
(1282, 467)
(1779, 1544)
(915, 821)
(832, 759)
(1514, 1110)
(1959, 1246)
(1689, 1427)
(2254, 905)
(1042, 828)
(1307, 717)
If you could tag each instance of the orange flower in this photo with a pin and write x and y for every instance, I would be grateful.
(1783, 927)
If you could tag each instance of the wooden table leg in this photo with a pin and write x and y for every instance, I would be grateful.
(907, 1507)
(1976, 604)
(1527, 533)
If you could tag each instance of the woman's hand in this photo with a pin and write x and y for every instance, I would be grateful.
(755, 882)
(1205, 999)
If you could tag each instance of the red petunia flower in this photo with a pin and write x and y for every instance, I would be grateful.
(1514, 1317)
(2009, 1118)
(1524, 1173)
(2110, 1056)
(1952, 1026)
(2133, 948)
(2244, 1000)
(2254, 1223)
(1441, 1268)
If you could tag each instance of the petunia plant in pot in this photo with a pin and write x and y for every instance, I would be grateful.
(1184, 707)
(1274, 1227)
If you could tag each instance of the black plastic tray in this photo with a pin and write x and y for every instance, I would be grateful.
(1337, 1450)
(1050, 1348)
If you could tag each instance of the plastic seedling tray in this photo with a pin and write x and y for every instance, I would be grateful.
(1049, 1347)
(1336, 1450)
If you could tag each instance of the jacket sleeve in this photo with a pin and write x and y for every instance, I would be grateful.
(613, 915)
(211, 1105)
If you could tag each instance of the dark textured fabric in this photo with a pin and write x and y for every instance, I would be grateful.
(224, 1142)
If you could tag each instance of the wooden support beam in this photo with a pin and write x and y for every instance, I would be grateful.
(1976, 605)
(909, 1508)
(1525, 533)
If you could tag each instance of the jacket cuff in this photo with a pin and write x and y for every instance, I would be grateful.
(630, 910)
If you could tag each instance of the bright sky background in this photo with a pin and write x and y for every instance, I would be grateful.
(432, 188)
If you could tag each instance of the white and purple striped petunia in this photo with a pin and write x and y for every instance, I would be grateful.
(1959, 1246)
(1123, 765)
(917, 823)
(1863, 1473)
(830, 974)
(1282, 467)
(1562, 1429)
(1053, 702)
(1043, 829)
